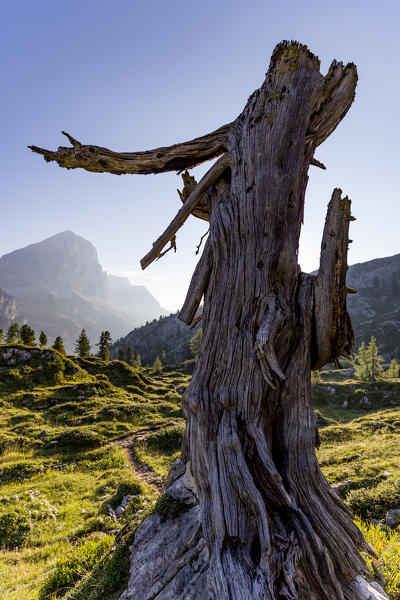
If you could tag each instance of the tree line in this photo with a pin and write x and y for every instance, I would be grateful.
(25, 335)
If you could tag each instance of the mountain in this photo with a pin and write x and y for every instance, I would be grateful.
(167, 334)
(374, 309)
(58, 286)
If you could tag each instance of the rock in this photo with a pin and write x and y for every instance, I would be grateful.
(119, 511)
(178, 491)
(175, 471)
(393, 518)
(368, 591)
(125, 500)
(180, 573)
(343, 486)
(189, 481)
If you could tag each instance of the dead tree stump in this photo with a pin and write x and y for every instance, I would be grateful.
(274, 528)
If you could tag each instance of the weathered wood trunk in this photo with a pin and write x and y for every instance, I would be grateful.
(274, 528)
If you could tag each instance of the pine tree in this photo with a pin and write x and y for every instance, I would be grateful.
(393, 370)
(42, 339)
(27, 335)
(164, 357)
(375, 360)
(157, 365)
(12, 333)
(104, 345)
(368, 362)
(195, 343)
(130, 356)
(138, 361)
(82, 345)
(121, 354)
(1, 336)
(59, 345)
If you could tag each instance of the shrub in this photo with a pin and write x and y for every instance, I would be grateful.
(15, 527)
(71, 568)
(20, 470)
(168, 508)
(76, 437)
(167, 440)
(375, 502)
(53, 370)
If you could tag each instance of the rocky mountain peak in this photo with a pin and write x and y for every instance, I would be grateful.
(63, 264)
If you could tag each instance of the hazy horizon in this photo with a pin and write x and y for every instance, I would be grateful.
(129, 76)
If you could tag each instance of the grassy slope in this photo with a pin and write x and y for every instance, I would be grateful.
(62, 487)
(99, 402)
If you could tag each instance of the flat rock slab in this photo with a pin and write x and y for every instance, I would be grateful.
(368, 591)
(169, 560)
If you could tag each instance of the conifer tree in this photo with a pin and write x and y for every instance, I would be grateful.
(27, 335)
(104, 345)
(195, 343)
(164, 357)
(59, 345)
(82, 345)
(12, 333)
(368, 362)
(393, 370)
(42, 339)
(130, 356)
(157, 365)
(1, 336)
(138, 361)
(121, 354)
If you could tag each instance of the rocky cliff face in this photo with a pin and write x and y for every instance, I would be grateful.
(8, 308)
(58, 286)
(62, 264)
(375, 309)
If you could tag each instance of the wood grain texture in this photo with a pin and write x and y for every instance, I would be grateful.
(160, 160)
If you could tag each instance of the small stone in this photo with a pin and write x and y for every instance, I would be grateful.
(393, 518)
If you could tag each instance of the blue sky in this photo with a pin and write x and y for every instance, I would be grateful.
(133, 75)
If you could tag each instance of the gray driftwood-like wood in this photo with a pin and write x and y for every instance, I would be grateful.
(274, 528)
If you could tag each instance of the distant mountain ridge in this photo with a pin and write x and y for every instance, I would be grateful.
(58, 285)
(374, 309)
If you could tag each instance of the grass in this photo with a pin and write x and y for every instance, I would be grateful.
(59, 468)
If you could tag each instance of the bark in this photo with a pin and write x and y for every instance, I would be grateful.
(274, 528)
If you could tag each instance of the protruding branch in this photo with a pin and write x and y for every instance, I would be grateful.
(197, 287)
(316, 163)
(264, 346)
(169, 158)
(332, 325)
(200, 190)
(337, 96)
(189, 183)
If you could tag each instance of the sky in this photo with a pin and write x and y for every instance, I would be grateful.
(135, 75)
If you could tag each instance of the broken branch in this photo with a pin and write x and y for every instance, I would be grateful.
(197, 287)
(200, 190)
(169, 158)
(333, 330)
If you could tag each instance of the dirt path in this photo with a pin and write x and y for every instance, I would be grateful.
(140, 471)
